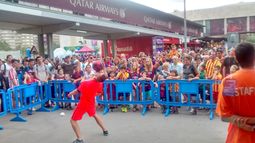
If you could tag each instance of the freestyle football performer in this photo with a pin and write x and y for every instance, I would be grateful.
(88, 90)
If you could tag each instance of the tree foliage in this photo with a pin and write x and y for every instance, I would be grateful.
(4, 46)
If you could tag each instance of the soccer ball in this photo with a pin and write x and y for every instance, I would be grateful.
(98, 66)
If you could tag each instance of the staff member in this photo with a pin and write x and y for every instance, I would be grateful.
(236, 101)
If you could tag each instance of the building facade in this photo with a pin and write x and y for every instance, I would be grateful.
(219, 21)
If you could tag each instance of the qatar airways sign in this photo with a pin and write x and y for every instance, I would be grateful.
(117, 10)
(98, 7)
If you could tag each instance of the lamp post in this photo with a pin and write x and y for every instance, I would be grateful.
(185, 26)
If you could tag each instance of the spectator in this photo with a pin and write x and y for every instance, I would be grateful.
(233, 69)
(176, 65)
(13, 77)
(5, 69)
(216, 76)
(211, 64)
(228, 62)
(40, 70)
(77, 75)
(31, 64)
(60, 75)
(89, 73)
(67, 66)
(173, 52)
(189, 69)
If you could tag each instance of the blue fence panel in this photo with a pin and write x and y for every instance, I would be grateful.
(3, 103)
(129, 92)
(196, 93)
(59, 90)
(26, 97)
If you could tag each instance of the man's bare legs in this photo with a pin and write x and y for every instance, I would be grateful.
(76, 129)
(101, 124)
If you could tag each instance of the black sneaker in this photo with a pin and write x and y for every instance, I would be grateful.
(78, 141)
(105, 133)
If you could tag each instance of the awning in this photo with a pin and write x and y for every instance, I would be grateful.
(85, 49)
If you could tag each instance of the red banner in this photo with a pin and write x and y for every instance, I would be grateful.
(133, 46)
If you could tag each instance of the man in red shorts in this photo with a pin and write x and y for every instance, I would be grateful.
(88, 90)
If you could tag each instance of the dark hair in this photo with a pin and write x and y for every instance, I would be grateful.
(188, 57)
(8, 56)
(174, 71)
(31, 60)
(38, 58)
(245, 55)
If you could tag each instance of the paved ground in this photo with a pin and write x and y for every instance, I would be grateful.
(123, 127)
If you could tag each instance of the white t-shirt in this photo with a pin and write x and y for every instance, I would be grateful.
(6, 68)
(41, 72)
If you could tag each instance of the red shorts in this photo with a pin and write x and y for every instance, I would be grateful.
(80, 111)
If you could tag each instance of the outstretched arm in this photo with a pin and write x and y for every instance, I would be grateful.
(73, 93)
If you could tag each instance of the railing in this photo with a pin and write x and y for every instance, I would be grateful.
(59, 90)
(26, 97)
(198, 93)
(168, 93)
(4, 105)
(130, 92)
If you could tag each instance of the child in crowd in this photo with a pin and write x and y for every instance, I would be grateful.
(193, 110)
(29, 77)
(77, 75)
(233, 69)
(123, 75)
(111, 89)
(60, 75)
(202, 72)
(147, 87)
(165, 70)
(173, 89)
(216, 76)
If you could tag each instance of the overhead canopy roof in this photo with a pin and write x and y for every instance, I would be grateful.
(57, 17)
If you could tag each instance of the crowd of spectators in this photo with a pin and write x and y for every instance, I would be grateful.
(174, 63)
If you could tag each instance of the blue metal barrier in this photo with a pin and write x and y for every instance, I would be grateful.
(26, 97)
(3, 103)
(129, 92)
(199, 93)
(59, 90)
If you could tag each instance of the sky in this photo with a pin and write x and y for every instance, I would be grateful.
(172, 5)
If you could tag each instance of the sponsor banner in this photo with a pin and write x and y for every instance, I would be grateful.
(124, 11)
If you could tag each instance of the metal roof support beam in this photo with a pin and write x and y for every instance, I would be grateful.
(47, 29)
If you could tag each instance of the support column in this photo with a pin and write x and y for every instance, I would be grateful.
(204, 28)
(41, 44)
(113, 48)
(49, 45)
(248, 24)
(225, 26)
(105, 48)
